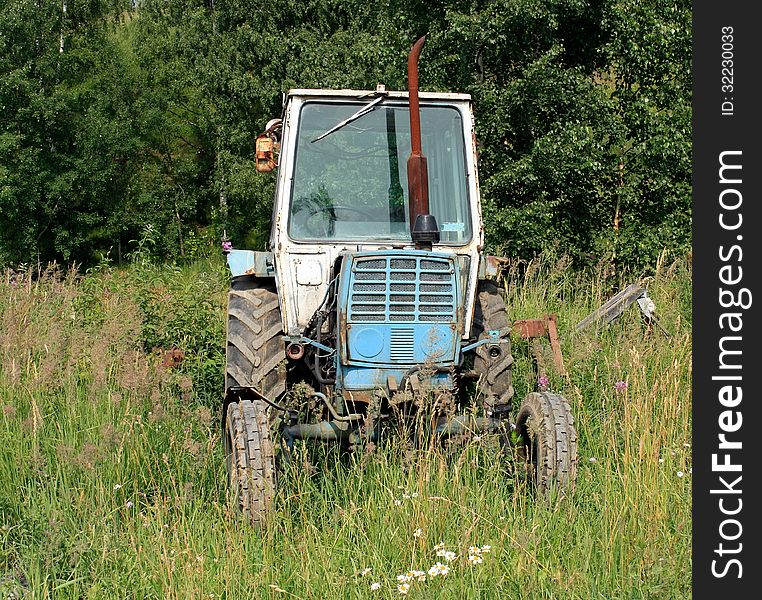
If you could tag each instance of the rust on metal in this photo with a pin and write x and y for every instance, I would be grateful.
(295, 351)
(530, 328)
(342, 318)
(265, 153)
(417, 171)
(360, 396)
(555, 343)
(547, 327)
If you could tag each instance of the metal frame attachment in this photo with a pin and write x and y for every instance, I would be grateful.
(535, 329)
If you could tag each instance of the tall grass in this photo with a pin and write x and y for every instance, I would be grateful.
(112, 484)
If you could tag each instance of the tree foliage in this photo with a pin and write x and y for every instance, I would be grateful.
(118, 115)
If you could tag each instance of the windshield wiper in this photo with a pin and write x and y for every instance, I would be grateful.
(363, 111)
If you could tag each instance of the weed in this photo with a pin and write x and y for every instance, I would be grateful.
(112, 481)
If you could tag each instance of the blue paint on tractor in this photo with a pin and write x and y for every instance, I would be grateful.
(367, 342)
(400, 308)
(370, 378)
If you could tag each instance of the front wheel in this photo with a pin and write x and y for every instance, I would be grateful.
(547, 442)
(250, 459)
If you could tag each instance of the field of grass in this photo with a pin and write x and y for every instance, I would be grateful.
(112, 482)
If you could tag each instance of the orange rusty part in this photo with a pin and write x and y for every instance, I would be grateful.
(530, 328)
(360, 396)
(555, 343)
(265, 153)
(539, 328)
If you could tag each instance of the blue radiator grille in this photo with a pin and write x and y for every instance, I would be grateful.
(411, 289)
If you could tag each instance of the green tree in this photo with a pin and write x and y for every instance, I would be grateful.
(148, 116)
(55, 182)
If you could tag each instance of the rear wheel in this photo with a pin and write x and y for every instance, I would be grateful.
(493, 364)
(250, 459)
(255, 351)
(547, 442)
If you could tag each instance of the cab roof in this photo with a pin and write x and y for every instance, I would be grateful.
(360, 94)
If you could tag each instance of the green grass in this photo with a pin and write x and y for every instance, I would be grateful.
(112, 481)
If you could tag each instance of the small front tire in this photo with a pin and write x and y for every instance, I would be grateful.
(250, 459)
(546, 448)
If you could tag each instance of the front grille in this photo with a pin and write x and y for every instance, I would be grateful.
(369, 287)
(402, 344)
(370, 276)
(435, 277)
(406, 289)
(403, 263)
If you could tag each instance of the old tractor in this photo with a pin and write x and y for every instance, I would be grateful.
(374, 289)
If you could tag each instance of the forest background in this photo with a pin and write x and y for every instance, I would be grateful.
(124, 120)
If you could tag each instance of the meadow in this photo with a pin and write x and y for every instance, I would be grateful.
(112, 481)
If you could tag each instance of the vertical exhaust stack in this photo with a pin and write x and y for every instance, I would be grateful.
(425, 230)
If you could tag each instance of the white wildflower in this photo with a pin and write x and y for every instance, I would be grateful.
(375, 586)
(418, 533)
(486, 549)
(118, 486)
(365, 571)
(404, 578)
(592, 459)
(439, 569)
(680, 473)
(475, 559)
(397, 502)
(438, 547)
(404, 588)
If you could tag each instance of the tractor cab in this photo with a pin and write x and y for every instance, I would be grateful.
(343, 188)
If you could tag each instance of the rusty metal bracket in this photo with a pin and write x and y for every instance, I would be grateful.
(534, 329)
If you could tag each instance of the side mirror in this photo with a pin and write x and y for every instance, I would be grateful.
(268, 147)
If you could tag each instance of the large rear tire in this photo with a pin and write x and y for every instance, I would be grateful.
(250, 459)
(547, 444)
(493, 365)
(256, 353)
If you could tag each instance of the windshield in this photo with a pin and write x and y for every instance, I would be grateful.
(352, 184)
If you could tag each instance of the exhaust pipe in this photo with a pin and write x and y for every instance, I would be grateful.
(424, 228)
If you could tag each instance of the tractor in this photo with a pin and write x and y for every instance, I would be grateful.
(374, 288)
